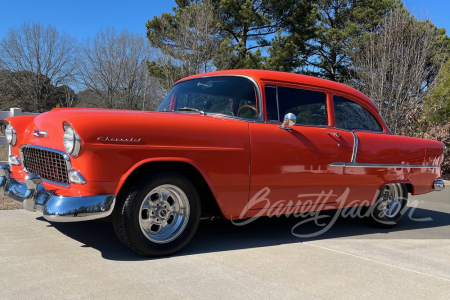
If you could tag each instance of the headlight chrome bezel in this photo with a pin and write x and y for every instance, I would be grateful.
(71, 136)
(11, 135)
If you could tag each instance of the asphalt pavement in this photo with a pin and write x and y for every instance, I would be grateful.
(262, 260)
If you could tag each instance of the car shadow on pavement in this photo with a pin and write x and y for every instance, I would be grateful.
(222, 235)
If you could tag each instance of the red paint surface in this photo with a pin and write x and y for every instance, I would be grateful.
(238, 158)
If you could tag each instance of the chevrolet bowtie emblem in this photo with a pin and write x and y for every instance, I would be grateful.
(40, 133)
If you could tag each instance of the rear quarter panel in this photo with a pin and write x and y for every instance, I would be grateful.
(397, 150)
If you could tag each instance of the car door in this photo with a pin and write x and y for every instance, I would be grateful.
(380, 157)
(292, 167)
(362, 182)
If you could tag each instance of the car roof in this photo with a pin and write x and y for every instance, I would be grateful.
(262, 75)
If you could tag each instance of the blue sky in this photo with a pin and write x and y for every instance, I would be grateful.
(83, 18)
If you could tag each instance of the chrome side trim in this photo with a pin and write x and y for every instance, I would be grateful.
(34, 197)
(355, 147)
(337, 164)
(64, 154)
(439, 185)
(363, 165)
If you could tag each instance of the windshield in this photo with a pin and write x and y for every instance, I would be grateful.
(227, 95)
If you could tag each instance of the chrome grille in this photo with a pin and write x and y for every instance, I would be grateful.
(47, 164)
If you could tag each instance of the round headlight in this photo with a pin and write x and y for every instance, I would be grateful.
(11, 135)
(71, 140)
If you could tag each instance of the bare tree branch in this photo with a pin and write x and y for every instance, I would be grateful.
(113, 67)
(391, 66)
(44, 53)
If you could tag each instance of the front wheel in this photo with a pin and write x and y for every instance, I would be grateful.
(389, 208)
(159, 215)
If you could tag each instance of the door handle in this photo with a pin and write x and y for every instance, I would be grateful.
(336, 134)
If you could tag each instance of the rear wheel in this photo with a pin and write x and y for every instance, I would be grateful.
(159, 215)
(388, 209)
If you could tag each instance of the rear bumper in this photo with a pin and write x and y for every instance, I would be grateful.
(439, 185)
(34, 197)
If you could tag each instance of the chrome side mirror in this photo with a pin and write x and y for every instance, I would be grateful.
(289, 121)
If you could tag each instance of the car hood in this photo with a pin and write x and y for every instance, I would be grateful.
(124, 125)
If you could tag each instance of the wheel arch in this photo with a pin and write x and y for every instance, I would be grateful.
(208, 195)
(408, 183)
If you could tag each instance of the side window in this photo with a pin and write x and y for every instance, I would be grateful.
(216, 103)
(271, 103)
(351, 115)
(247, 109)
(309, 106)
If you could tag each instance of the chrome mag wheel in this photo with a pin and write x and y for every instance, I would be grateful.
(392, 199)
(164, 213)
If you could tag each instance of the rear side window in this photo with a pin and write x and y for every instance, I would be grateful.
(308, 106)
(351, 115)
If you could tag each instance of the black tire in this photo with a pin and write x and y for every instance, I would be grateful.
(376, 214)
(127, 215)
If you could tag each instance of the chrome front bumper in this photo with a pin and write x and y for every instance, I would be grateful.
(34, 197)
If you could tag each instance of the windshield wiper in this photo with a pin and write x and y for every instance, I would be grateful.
(191, 109)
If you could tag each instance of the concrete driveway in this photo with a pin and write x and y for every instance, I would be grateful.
(262, 260)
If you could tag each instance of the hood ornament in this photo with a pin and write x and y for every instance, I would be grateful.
(40, 133)
(108, 139)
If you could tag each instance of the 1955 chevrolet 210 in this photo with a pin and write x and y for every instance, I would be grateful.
(239, 143)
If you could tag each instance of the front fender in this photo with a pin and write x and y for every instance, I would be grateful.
(166, 159)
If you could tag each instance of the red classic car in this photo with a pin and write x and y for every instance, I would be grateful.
(239, 143)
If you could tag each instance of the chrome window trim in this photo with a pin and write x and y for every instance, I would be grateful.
(64, 154)
(260, 118)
